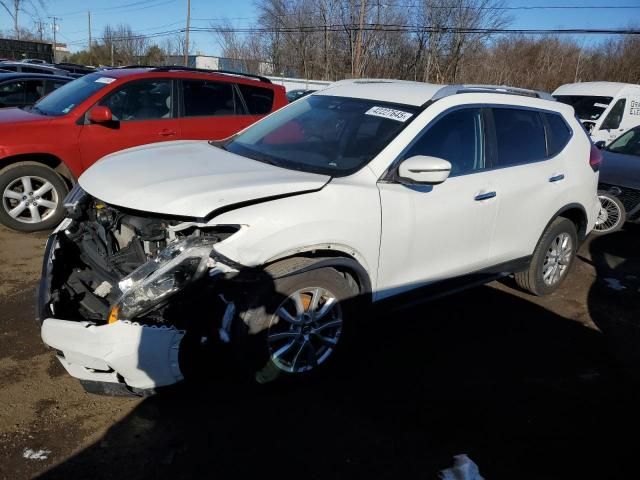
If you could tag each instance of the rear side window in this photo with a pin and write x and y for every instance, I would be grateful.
(558, 134)
(259, 100)
(519, 136)
(457, 137)
(12, 94)
(204, 98)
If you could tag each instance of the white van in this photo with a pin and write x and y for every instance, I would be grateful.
(606, 109)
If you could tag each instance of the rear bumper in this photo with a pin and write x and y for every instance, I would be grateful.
(138, 356)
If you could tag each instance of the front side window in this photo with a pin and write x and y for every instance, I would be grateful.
(519, 135)
(457, 137)
(323, 134)
(143, 100)
(614, 118)
(628, 143)
(587, 107)
(205, 98)
(259, 100)
(68, 97)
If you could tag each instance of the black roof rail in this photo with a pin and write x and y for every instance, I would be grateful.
(168, 68)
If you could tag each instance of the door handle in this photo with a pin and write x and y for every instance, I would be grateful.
(484, 196)
(167, 133)
(557, 178)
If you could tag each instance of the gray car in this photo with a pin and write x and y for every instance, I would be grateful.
(619, 187)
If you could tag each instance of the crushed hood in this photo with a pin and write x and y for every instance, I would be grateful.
(190, 179)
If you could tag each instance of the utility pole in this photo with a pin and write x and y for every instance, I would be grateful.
(40, 29)
(55, 29)
(186, 48)
(89, 18)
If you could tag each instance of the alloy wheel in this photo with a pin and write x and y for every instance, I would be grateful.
(557, 259)
(304, 330)
(608, 216)
(30, 199)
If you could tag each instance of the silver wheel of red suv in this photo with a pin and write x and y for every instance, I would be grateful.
(32, 196)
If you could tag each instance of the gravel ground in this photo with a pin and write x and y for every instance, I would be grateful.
(529, 388)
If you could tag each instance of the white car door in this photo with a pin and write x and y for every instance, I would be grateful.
(531, 182)
(437, 232)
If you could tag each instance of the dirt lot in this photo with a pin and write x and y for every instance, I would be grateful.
(528, 387)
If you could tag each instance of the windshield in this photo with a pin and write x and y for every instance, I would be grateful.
(66, 98)
(587, 107)
(627, 143)
(322, 134)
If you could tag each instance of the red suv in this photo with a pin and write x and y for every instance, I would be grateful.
(47, 146)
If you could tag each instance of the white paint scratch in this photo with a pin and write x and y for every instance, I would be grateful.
(31, 454)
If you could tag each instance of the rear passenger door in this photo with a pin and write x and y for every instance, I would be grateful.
(529, 169)
(211, 110)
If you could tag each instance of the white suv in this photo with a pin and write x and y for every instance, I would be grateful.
(273, 240)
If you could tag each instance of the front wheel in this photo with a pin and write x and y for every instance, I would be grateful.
(32, 197)
(611, 216)
(300, 325)
(552, 259)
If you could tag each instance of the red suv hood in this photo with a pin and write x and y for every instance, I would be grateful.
(17, 115)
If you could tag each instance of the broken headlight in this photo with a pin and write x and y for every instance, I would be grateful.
(175, 267)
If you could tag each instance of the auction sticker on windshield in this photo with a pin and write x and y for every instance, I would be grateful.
(390, 113)
(106, 80)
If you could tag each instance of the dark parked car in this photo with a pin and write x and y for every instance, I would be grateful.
(619, 187)
(24, 89)
(293, 95)
(22, 67)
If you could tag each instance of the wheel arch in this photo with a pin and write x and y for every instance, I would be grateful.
(577, 214)
(47, 159)
(342, 262)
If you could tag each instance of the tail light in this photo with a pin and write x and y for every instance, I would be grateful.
(595, 158)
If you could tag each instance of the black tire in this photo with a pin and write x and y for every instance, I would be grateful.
(255, 325)
(10, 181)
(612, 216)
(532, 279)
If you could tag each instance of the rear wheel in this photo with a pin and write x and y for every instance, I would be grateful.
(552, 259)
(32, 196)
(612, 214)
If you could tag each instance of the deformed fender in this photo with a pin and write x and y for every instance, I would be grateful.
(297, 265)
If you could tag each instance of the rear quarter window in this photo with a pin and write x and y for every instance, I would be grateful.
(558, 133)
(520, 136)
(259, 100)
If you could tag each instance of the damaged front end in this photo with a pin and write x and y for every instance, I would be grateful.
(121, 292)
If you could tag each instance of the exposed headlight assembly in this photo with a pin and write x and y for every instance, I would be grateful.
(176, 266)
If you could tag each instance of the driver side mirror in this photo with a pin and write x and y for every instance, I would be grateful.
(600, 144)
(100, 114)
(424, 170)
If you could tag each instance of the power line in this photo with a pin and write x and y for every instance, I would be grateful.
(397, 28)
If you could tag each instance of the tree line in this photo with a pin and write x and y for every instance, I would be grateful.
(438, 41)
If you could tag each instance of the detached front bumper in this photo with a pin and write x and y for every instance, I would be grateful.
(139, 356)
(118, 357)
